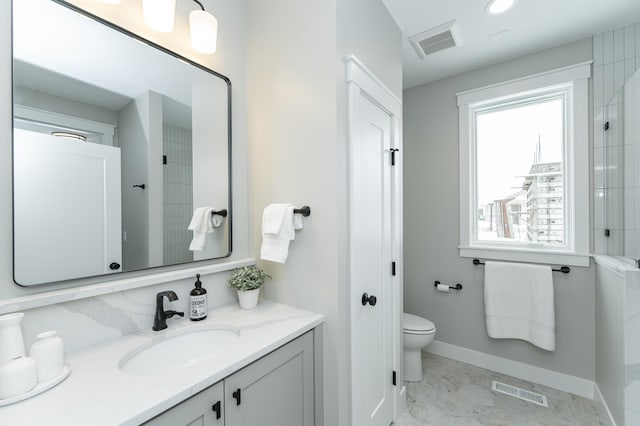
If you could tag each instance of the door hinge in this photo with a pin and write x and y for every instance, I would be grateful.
(393, 155)
(164, 159)
(607, 233)
(393, 378)
(393, 268)
(606, 126)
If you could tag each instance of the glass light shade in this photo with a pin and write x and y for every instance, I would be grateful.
(204, 31)
(159, 14)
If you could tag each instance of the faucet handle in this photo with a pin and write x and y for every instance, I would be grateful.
(169, 314)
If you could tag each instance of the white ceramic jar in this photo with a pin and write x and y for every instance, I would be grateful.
(48, 351)
(11, 341)
(17, 376)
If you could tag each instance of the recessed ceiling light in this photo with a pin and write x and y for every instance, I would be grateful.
(496, 7)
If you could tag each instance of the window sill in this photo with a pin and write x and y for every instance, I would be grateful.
(526, 255)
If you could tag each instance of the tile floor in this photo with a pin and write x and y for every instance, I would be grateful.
(454, 393)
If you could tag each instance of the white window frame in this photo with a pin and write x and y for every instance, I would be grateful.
(573, 82)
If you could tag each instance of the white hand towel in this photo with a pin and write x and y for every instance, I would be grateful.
(277, 232)
(202, 223)
(519, 303)
(298, 224)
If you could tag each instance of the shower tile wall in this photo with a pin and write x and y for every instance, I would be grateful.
(616, 57)
(178, 194)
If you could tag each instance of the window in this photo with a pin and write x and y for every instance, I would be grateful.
(524, 179)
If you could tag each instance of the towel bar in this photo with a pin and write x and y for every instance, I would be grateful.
(304, 211)
(563, 269)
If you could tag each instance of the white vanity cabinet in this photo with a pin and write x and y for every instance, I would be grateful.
(275, 390)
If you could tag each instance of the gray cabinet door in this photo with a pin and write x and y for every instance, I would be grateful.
(199, 410)
(276, 390)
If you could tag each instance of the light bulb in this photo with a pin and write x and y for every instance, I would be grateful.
(111, 1)
(204, 31)
(159, 14)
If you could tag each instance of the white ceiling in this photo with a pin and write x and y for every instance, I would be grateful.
(532, 25)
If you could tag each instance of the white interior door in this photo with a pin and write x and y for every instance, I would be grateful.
(372, 301)
(67, 221)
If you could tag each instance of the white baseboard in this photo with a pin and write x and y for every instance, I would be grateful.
(602, 404)
(553, 379)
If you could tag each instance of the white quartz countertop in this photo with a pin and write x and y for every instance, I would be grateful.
(98, 393)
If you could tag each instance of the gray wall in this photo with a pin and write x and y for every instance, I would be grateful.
(297, 140)
(609, 309)
(431, 194)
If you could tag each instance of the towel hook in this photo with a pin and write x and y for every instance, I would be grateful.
(304, 211)
(222, 212)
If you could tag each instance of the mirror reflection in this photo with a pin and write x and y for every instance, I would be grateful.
(121, 151)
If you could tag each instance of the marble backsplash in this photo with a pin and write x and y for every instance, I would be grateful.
(90, 321)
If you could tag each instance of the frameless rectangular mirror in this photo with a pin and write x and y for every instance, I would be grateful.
(117, 143)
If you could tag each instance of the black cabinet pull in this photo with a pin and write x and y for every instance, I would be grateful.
(238, 396)
(217, 408)
(114, 266)
(372, 300)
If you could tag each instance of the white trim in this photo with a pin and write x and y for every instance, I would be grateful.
(573, 81)
(359, 74)
(553, 379)
(114, 286)
(57, 119)
(526, 255)
(602, 404)
(577, 71)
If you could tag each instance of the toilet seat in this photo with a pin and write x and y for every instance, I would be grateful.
(413, 324)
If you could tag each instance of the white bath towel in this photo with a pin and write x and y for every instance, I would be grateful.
(518, 302)
(277, 231)
(202, 223)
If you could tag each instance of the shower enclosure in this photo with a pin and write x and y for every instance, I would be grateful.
(617, 176)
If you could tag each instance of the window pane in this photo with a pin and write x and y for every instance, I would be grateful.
(520, 191)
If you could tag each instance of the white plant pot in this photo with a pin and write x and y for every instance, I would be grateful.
(248, 299)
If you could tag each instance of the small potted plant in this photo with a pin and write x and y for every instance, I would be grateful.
(248, 280)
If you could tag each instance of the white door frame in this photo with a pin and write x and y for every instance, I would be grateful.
(361, 80)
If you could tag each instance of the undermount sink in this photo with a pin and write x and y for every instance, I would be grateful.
(174, 350)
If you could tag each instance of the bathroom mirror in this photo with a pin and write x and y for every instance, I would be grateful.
(116, 143)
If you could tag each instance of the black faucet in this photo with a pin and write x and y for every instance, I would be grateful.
(160, 318)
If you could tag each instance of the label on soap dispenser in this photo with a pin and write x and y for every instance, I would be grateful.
(198, 307)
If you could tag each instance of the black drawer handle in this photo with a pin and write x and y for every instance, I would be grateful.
(217, 408)
(238, 396)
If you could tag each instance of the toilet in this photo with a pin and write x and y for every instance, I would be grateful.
(417, 333)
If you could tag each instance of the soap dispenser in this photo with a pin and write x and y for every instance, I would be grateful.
(198, 298)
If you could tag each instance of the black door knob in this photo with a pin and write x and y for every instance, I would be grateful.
(371, 300)
(114, 266)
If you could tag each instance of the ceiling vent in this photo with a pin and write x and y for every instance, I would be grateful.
(436, 39)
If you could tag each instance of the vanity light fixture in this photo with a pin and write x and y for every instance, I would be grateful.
(70, 136)
(159, 14)
(203, 26)
(204, 30)
(496, 7)
(111, 1)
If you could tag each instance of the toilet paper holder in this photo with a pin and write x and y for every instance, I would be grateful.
(456, 287)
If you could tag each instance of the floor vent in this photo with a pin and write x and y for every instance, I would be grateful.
(523, 394)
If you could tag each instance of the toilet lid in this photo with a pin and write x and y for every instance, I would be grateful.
(415, 323)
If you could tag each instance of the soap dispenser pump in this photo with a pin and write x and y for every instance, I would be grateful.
(198, 297)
